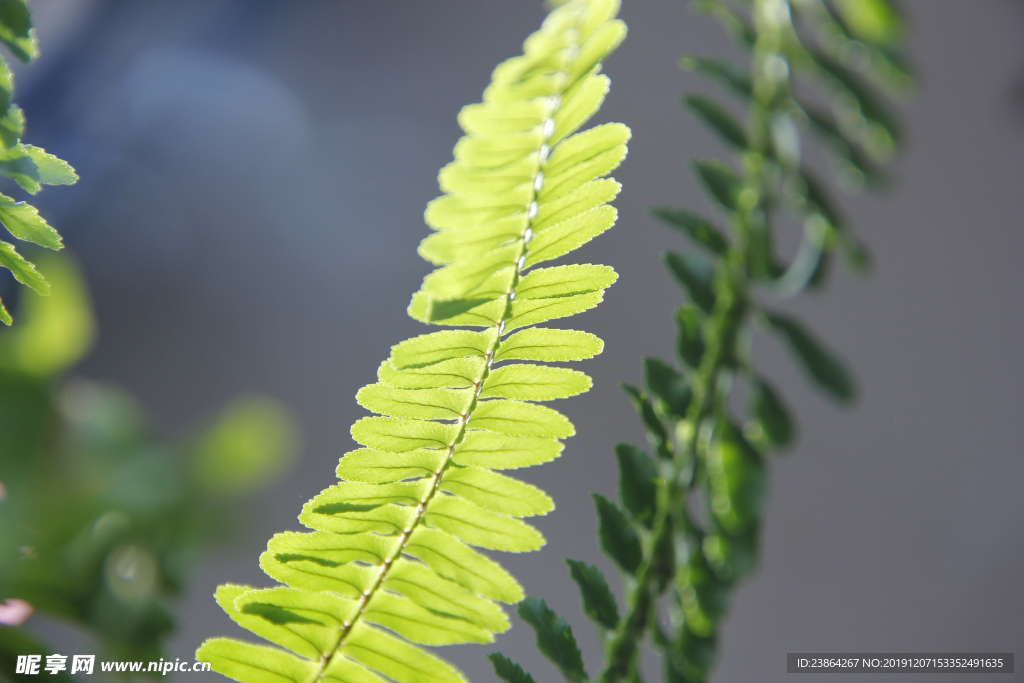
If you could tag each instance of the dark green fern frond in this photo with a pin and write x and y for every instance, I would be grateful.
(30, 167)
(687, 531)
(391, 562)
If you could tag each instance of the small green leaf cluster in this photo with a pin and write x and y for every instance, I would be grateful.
(30, 167)
(686, 528)
(100, 519)
(394, 560)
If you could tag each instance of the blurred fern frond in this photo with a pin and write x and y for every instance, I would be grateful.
(100, 519)
(687, 528)
(28, 166)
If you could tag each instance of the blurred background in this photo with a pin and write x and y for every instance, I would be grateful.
(254, 174)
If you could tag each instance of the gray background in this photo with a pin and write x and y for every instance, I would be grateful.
(254, 176)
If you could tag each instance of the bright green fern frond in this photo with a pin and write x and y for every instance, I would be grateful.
(394, 546)
(30, 167)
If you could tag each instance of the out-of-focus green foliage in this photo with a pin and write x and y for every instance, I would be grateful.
(30, 167)
(688, 529)
(391, 562)
(100, 519)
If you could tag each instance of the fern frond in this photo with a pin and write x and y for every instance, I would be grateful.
(394, 545)
(688, 529)
(30, 167)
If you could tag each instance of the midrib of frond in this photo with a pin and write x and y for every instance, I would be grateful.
(548, 130)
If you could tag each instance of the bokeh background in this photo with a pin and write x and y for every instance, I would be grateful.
(253, 179)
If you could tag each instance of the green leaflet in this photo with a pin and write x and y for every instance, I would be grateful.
(598, 600)
(732, 76)
(581, 148)
(690, 345)
(462, 278)
(549, 345)
(16, 31)
(390, 561)
(395, 658)
(496, 492)
(564, 280)
(12, 125)
(580, 106)
(343, 670)
(24, 222)
(507, 670)
(459, 244)
(475, 312)
(590, 194)
(425, 404)
(720, 120)
(456, 373)
(619, 539)
(438, 346)
(329, 549)
(666, 384)
(524, 313)
(255, 663)
(426, 587)
(23, 271)
(31, 167)
(719, 182)
(520, 419)
(772, 415)
(736, 481)
(457, 562)
(638, 476)
(501, 452)
(695, 274)
(493, 151)
(383, 518)
(306, 572)
(478, 527)
(353, 496)
(393, 434)
(576, 175)
(532, 312)
(823, 367)
(454, 211)
(561, 238)
(461, 177)
(490, 118)
(300, 621)
(534, 382)
(554, 638)
(700, 229)
(420, 625)
(380, 467)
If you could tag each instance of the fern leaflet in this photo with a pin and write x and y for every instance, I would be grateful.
(30, 167)
(393, 544)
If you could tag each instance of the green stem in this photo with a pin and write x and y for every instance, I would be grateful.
(751, 227)
(622, 650)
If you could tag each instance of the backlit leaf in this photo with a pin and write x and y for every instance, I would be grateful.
(549, 345)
